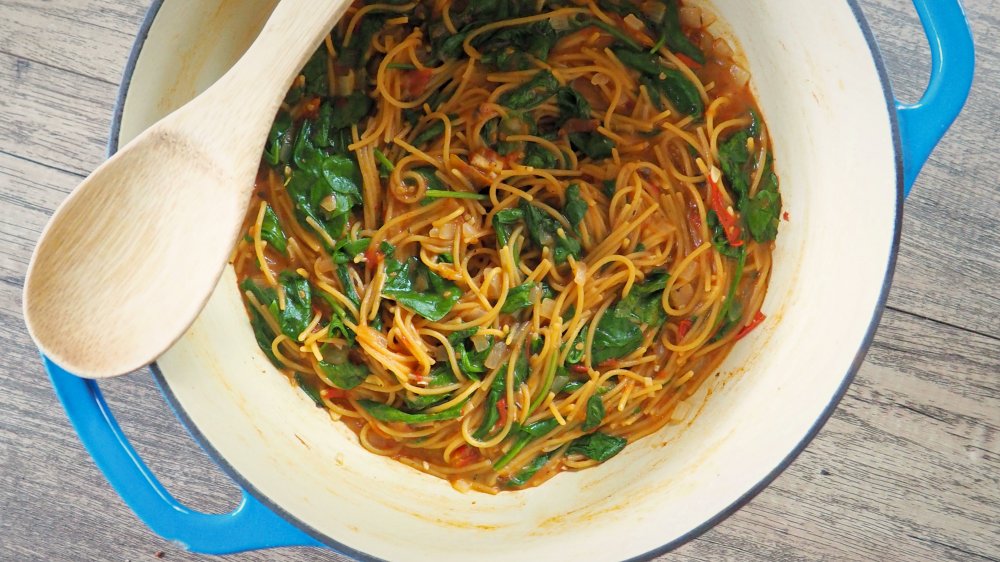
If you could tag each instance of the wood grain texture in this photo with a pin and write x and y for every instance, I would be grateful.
(949, 261)
(908, 468)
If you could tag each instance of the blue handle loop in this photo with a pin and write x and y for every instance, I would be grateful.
(953, 61)
(251, 526)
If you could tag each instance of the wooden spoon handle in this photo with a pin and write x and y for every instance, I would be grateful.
(264, 73)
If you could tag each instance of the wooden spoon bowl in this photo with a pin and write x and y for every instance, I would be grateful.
(130, 258)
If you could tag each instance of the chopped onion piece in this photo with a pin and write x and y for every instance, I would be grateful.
(600, 79)
(547, 308)
(690, 17)
(682, 295)
(634, 22)
(480, 161)
(469, 232)
(722, 49)
(480, 342)
(581, 273)
(518, 333)
(740, 75)
(346, 83)
(680, 413)
(492, 289)
(498, 355)
(536, 293)
(328, 204)
(689, 273)
(560, 23)
(715, 174)
(445, 232)
(655, 9)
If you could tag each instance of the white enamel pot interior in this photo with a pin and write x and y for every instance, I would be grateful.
(822, 94)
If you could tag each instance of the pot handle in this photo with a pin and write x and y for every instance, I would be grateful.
(922, 124)
(250, 526)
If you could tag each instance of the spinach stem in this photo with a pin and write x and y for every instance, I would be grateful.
(550, 373)
(444, 193)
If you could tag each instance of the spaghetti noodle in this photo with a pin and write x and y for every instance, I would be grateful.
(503, 239)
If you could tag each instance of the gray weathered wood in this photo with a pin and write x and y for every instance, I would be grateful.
(951, 230)
(907, 469)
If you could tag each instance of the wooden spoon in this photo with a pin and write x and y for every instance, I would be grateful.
(130, 258)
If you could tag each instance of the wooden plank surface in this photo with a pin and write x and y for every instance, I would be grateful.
(908, 468)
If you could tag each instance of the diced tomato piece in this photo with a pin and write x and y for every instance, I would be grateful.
(373, 255)
(579, 368)
(502, 410)
(415, 81)
(726, 217)
(757, 319)
(331, 393)
(464, 456)
(310, 108)
(683, 328)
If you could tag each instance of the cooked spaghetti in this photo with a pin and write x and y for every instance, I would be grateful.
(502, 239)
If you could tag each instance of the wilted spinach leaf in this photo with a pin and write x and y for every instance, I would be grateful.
(543, 230)
(593, 145)
(572, 105)
(270, 230)
(542, 86)
(385, 413)
(597, 446)
(503, 221)
(309, 388)
(497, 391)
(520, 297)
(349, 110)
(619, 332)
(439, 376)
(595, 413)
(764, 208)
(673, 36)
(508, 48)
(279, 141)
(346, 375)
(670, 82)
(529, 470)
(294, 319)
(614, 337)
(575, 208)
(643, 303)
(261, 329)
(523, 436)
(413, 285)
